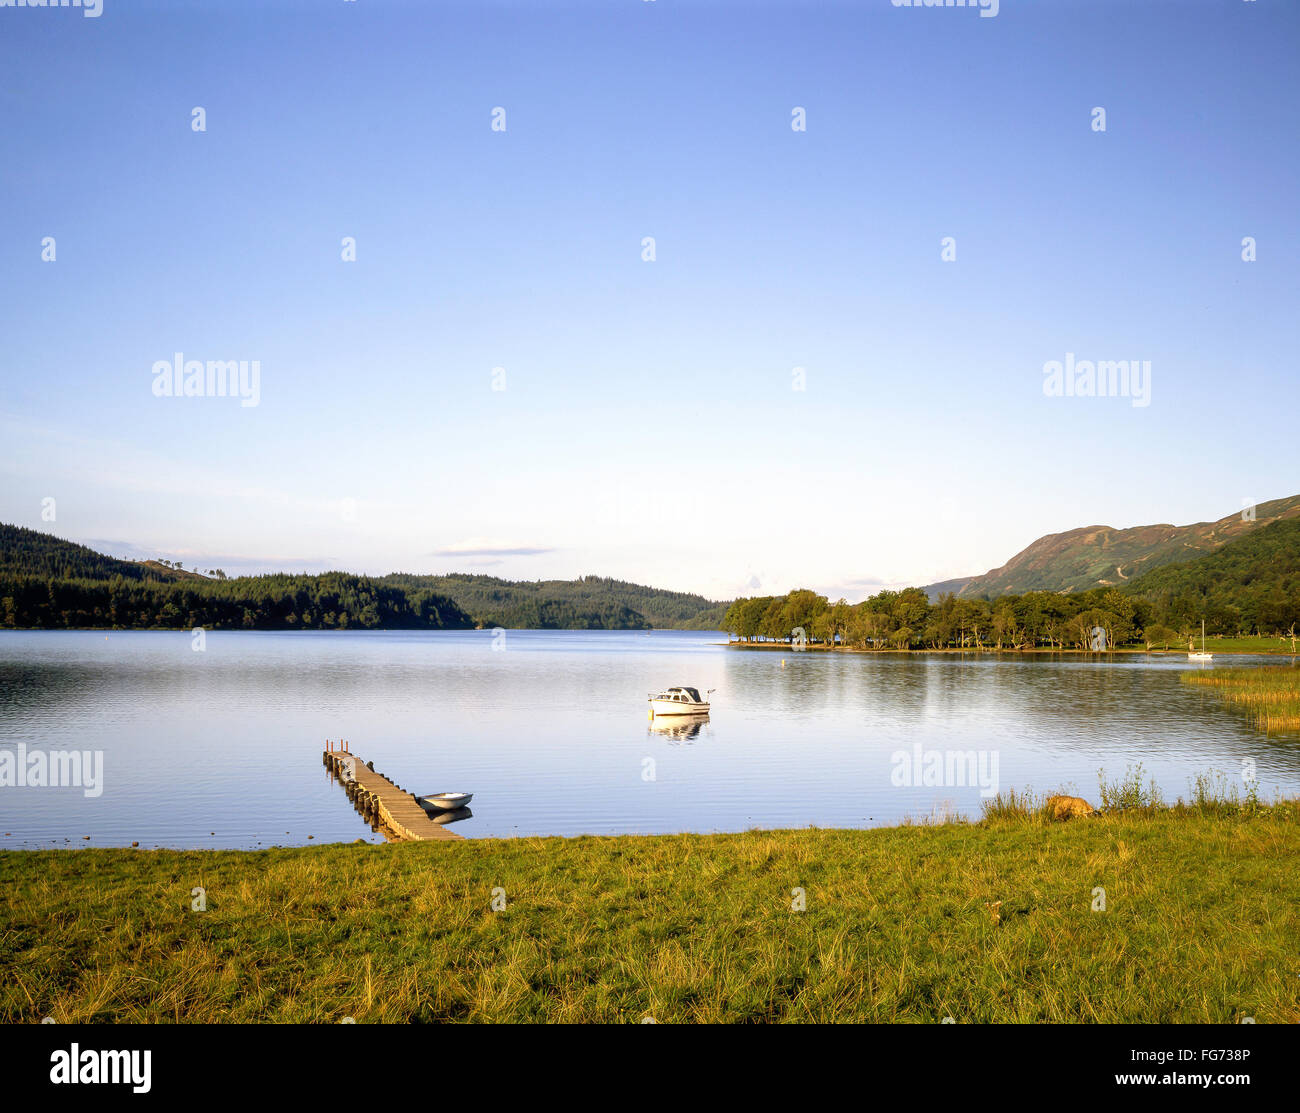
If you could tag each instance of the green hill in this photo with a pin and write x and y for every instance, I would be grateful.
(1100, 556)
(46, 582)
(1251, 584)
(587, 603)
(29, 552)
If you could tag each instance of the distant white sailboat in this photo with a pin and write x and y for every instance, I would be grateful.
(1202, 656)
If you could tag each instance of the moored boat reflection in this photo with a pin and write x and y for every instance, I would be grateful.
(679, 728)
(443, 818)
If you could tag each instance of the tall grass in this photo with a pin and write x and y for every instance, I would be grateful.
(1270, 694)
(1210, 794)
(1214, 794)
(1013, 804)
(1129, 793)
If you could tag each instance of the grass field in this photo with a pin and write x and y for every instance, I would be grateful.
(987, 921)
(1283, 646)
(1271, 695)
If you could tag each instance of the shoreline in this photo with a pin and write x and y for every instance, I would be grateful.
(1025, 807)
(769, 646)
(1007, 651)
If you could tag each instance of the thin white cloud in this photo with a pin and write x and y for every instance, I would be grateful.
(478, 547)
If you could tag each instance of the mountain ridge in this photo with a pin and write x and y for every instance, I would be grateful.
(1102, 556)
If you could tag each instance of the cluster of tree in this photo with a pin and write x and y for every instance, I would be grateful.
(587, 603)
(908, 620)
(333, 600)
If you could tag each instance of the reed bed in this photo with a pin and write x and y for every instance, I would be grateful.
(1270, 695)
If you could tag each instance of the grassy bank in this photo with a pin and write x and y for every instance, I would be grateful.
(988, 921)
(1281, 646)
(1270, 696)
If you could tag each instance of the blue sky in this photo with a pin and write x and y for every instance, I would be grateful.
(648, 428)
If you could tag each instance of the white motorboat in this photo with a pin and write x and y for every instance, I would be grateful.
(1202, 656)
(445, 801)
(679, 701)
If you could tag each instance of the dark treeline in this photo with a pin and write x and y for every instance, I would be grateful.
(28, 552)
(333, 600)
(587, 603)
(49, 583)
(563, 614)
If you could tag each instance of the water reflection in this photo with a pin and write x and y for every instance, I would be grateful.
(443, 818)
(222, 748)
(677, 728)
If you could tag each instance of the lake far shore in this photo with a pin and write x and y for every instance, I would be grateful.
(1127, 650)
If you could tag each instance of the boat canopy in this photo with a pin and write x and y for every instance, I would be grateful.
(693, 693)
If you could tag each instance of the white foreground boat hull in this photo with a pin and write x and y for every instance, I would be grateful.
(672, 707)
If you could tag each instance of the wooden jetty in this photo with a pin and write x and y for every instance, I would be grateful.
(377, 798)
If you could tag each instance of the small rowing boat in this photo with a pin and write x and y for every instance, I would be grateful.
(444, 801)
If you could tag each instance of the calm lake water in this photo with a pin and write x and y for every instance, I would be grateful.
(222, 748)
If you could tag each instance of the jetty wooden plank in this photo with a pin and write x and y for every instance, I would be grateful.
(396, 810)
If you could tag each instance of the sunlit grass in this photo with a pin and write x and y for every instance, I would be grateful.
(1258, 644)
(985, 921)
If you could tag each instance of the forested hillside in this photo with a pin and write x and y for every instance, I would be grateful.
(1100, 556)
(590, 602)
(29, 552)
(1252, 584)
(46, 582)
